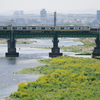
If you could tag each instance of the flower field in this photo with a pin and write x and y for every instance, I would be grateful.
(65, 78)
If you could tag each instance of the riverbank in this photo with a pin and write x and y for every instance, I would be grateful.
(65, 78)
(26, 60)
(18, 41)
(85, 48)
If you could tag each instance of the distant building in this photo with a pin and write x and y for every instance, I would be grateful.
(20, 22)
(43, 13)
(19, 13)
(16, 13)
(98, 15)
(43, 16)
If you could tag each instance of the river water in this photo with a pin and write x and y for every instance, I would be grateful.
(28, 57)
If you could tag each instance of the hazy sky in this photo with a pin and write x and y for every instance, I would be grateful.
(49, 5)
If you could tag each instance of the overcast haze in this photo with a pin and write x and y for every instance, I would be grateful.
(62, 6)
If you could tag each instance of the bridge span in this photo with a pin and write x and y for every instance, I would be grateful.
(14, 32)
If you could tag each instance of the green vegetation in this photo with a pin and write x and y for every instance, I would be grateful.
(35, 70)
(19, 42)
(1, 42)
(85, 49)
(25, 42)
(42, 47)
(65, 78)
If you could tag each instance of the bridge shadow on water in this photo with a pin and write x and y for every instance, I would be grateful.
(11, 60)
(26, 57)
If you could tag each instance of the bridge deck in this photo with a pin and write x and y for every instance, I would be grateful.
(30, 33)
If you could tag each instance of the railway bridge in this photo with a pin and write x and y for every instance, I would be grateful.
(11, 33)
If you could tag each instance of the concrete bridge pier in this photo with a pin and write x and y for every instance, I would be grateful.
(96, 51)
(12, 49)
(55, 50)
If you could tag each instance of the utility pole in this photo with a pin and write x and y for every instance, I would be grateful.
(12, 35)
(54, 18)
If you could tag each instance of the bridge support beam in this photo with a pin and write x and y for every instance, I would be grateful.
(12, 49)
(96, 51)
(55, 50)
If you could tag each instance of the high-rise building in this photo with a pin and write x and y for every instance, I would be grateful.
(16, 13)
(43, 13)
(43, 16)
(21, 12)
(98, 15)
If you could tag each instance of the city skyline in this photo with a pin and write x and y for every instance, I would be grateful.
(63, 6)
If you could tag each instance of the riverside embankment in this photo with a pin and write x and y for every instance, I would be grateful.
(28, 58)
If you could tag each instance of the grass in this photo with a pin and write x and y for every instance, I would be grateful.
(65, 78)
(36, 70)
(85, 49)
(19, 42)
(25, 42)
(3, 42)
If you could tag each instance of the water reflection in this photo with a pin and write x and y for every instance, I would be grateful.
(11, 60)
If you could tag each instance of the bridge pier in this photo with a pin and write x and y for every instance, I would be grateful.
(55, 50)
(96, 51)
(12, 49)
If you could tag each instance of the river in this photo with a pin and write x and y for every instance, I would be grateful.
(28, 57)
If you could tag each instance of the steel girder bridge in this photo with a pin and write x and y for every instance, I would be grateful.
(13, 34)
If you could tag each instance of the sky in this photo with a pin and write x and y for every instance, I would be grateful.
(61, 6)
